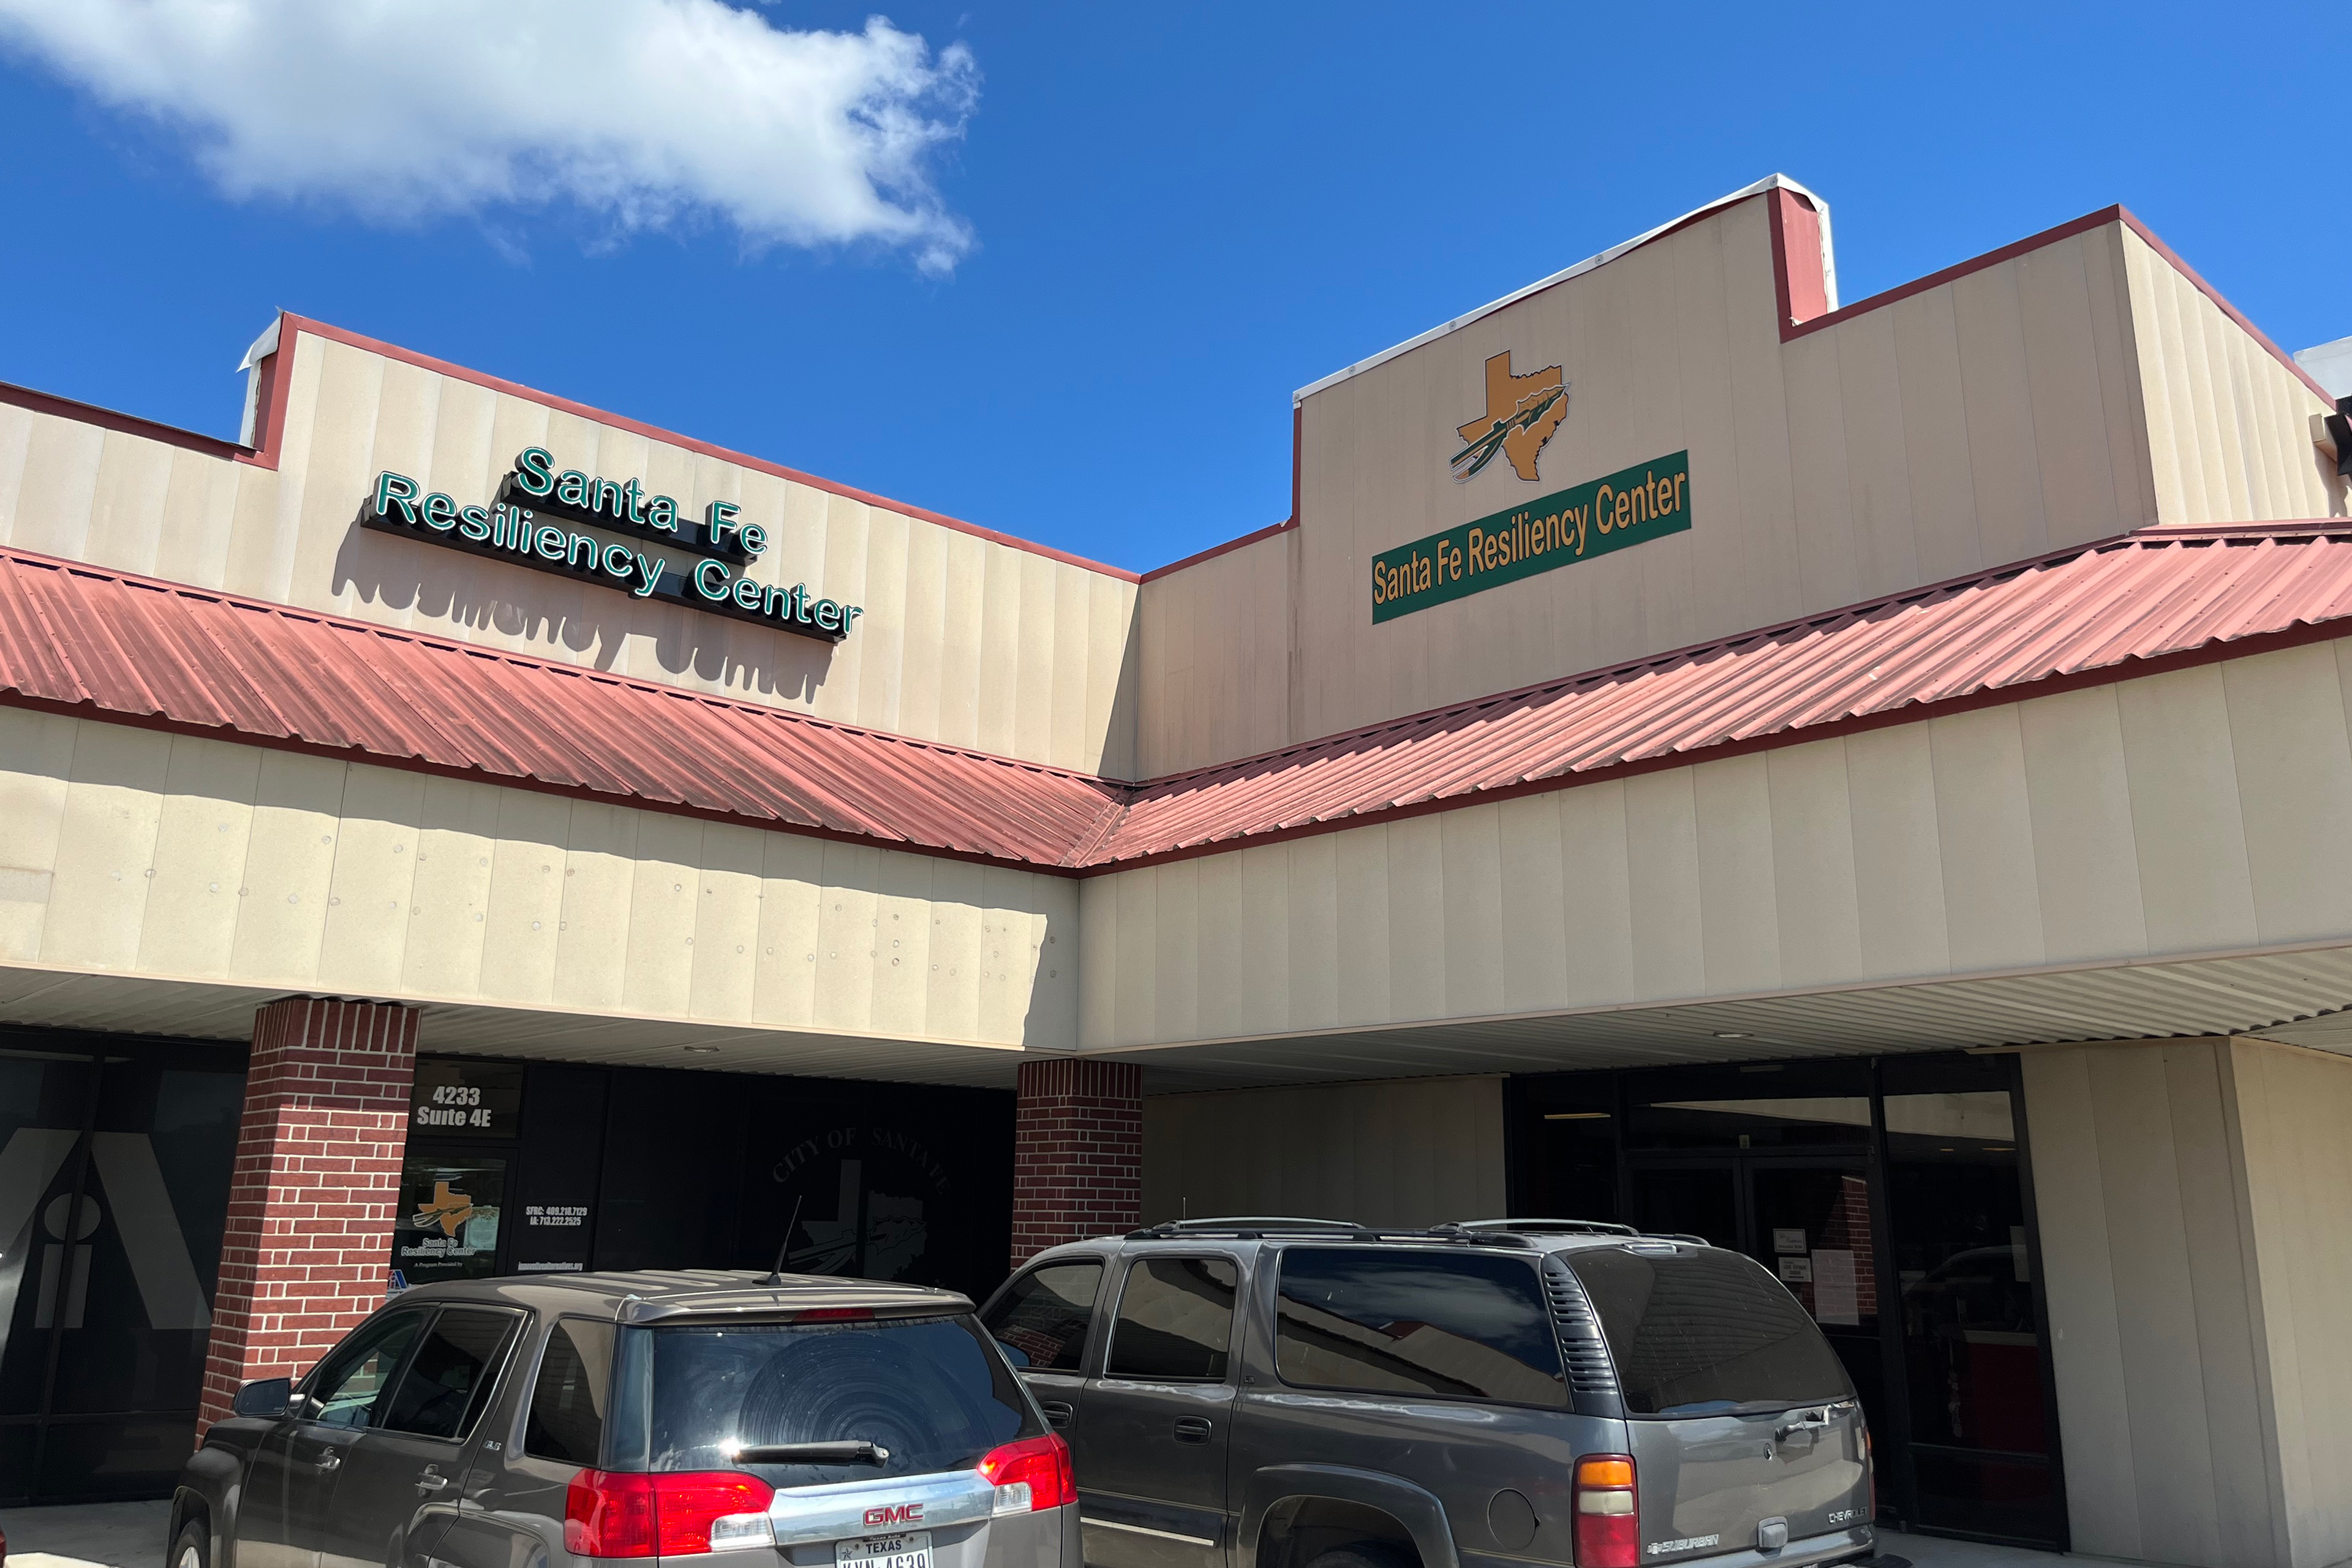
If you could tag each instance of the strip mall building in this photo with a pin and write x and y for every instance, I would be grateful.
(1869, 785)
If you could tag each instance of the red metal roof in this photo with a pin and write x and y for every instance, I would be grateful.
(2098, 613)
(80, 639)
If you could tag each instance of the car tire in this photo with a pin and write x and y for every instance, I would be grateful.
(1355, 1554)
(193, 1549)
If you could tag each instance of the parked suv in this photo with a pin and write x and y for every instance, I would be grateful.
(1288, 1393)
(836, 1423)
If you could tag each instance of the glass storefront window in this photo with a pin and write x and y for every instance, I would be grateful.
(1972, 1347)
(115, 1158)
(1774, 1105)
(447, 1223)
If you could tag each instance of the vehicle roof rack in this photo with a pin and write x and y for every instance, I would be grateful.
(1248, 1228)
(1548, 1227)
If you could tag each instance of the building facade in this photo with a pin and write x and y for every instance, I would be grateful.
(1869, 785)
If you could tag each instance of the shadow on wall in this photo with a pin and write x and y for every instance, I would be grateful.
(592, 623)
(1122, 740)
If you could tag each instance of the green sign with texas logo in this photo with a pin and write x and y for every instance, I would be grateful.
(1629, 507)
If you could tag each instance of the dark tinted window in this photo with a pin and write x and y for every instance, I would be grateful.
(448, 1381)
(1041, 1318)
(1700, 1330)
(351, 1382)
(1417, 1322)
(567, 1402)
(1175, 1319)
(932, 1390)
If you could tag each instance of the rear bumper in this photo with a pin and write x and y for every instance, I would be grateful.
(1811, 1552)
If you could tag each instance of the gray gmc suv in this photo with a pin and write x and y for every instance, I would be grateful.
(1289, 1393)
(553, 1420)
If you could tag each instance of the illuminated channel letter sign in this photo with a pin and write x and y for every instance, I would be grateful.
(1630, 507)
(519, 527)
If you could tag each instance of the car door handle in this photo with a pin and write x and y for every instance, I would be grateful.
(431, 1483)
(331, 1460)
(1058, 1412)
(1191, 1430)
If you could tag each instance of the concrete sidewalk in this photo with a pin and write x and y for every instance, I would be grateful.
(131, 1535)
(80, 1535)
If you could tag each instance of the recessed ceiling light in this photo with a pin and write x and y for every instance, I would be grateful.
(1731, 1034)
(698, 1050)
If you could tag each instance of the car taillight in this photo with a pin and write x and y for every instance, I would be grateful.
(671, 1513)
(1608, 1520)
(1870, 1470)
(1032, 1473)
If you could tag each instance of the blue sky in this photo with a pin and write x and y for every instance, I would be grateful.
(1160, 221)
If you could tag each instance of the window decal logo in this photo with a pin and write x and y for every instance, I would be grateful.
(447, 1211)
(1522, 412)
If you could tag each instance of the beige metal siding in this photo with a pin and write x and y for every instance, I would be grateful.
(1218, 660)
(2194, 1197)
(2229, 427)
(1989, 418)
(2206, 810)
(132, 852)
(1414, 1152)
(2154, 1310)
(964, 639)
(2295, 1107)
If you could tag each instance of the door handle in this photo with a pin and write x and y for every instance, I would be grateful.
(1191, 1430)
(431, 1483)
(331, 1460)
(1058, 1412)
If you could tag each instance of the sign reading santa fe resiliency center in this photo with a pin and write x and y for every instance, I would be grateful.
(513, 529)
(1633, 506)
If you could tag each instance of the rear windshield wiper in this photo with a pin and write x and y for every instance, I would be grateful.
(853, 1452)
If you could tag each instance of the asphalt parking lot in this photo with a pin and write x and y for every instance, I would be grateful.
(131, 1535)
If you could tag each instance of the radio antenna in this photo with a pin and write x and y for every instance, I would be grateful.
(776, 1275)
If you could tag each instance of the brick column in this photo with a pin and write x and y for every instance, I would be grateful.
(314, 1189)
(1078, 1153)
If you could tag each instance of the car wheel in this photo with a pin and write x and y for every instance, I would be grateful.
(1356, 1554)
(193, 1549)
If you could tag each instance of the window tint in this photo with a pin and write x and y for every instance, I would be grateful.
(1702, 1331)
(932, 1390)
(567, 1403)
(1175, 1319)
(1041, 1318)
(1417, 1322)
(347, 1386)
(448, 1381)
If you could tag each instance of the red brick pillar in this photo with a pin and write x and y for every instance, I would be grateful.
(1078, 1153)
(314, 1188)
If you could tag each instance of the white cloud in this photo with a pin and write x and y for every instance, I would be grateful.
(650, 112)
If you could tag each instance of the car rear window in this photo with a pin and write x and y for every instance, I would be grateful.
(1417, 1322)
(931, 1391)
(1699, 1331)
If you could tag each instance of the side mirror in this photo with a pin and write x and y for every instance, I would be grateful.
(267, 1398)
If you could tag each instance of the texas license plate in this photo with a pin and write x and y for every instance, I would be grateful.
(884, 1552)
